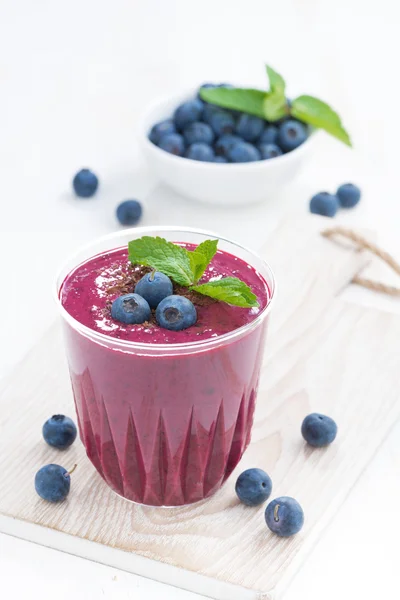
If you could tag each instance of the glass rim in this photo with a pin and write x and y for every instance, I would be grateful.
(199, 345)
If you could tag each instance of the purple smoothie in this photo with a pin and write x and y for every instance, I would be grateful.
(167, 425)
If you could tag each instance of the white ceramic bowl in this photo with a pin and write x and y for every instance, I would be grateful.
(218, 183)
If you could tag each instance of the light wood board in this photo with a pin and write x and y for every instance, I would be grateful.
(322, 355)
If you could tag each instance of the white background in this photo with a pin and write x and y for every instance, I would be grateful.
(74, 78)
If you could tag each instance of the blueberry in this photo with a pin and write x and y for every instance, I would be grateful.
(172, 143)
(253, 487)
(52, 483)
(269, 135)
(222, 122)
(318, 430)
(209, 111)
(250, 127)
(154, 287)
(59, 431)
(324, 204)
(225, 142)
(188, 112)
(269, 151)
(130, 309)
(284, 516)
(85, 183)
(198, 132)
(176, 313)
(291, 134)
(160, 129)
(349, 195)
(220, 159)
(129, 212)
(243, 152)
(202, 152)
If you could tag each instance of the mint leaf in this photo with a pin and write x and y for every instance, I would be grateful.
(201, 257)
(169, 258)
(275, 107)
(246, 100)
(319, 114)
(276, 82)
(228, 289)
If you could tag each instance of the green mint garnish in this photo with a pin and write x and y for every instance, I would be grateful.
(201, 257)
(277, 84)
(186, 268)
(169, 258)
(228, 289)
(246, 100)
(272, 105)
(319, 114)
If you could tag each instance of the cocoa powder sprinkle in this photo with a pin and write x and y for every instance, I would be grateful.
(127, 280)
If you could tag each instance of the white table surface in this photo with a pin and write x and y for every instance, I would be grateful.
(74, 77)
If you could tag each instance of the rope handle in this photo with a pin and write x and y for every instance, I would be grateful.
(364, 244)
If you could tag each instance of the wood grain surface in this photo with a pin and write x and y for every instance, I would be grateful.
(322, 355)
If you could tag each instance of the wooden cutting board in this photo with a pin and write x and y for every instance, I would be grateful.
(322, 355)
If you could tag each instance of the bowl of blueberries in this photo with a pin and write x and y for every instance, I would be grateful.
(221, 156)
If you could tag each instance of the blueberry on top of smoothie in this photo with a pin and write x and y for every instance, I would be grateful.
(130, 309)
(176, 313)
(154, 287)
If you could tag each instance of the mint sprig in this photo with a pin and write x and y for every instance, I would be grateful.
(201, 257)
(246, 100)
(273, 105)
(186, 268)
(228, 289)
(169, 258)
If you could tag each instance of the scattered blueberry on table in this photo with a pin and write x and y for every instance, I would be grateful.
(253, 487)
(237, 136)
(318, 430)
(85, 183)
(349, 195)
(284, 516)
(129, 212)
(59, 431)
(324, 204)
(154, 287)
(53, 482)
(176, 313)
(131, 309)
